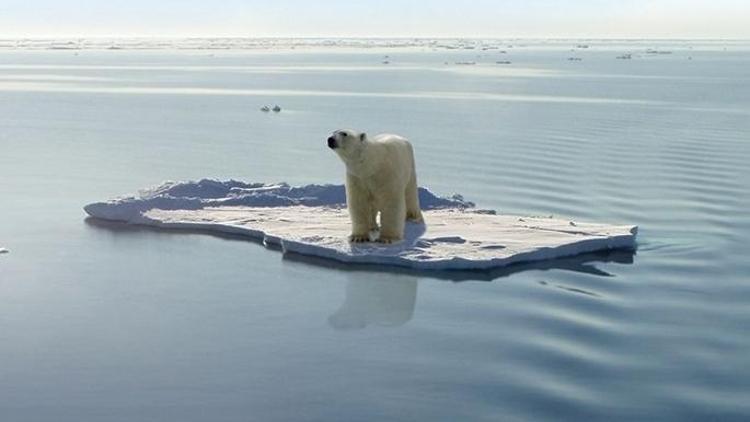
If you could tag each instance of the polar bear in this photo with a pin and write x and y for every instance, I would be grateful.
(380, 178)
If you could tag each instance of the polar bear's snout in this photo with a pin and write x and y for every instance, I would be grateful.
(332, 142)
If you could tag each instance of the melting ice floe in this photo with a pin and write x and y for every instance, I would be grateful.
(312, 220)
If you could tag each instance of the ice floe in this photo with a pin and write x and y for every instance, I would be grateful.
(312, 220)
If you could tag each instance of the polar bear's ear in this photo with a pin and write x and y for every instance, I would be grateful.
(363, 136)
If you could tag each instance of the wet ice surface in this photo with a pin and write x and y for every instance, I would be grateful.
(312, 220)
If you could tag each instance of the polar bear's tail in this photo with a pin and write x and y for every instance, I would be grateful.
(413, 213)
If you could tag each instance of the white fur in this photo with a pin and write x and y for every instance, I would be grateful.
(380, 178)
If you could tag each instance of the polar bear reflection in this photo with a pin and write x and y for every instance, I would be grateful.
(379, 299)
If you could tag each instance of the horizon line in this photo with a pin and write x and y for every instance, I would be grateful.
(322, 37)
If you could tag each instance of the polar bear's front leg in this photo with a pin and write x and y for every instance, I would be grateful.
(392, 218)
(359, 203)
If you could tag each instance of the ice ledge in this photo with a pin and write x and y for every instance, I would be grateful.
(194, 195)
(311, 220)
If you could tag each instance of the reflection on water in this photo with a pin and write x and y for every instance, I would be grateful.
(381, 300)
(377, 300)
(54, 87)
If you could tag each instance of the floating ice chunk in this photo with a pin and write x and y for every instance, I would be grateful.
(3, 250)
(312, 220)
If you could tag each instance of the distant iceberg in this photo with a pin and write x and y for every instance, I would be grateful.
(312, 220)
(654, 51)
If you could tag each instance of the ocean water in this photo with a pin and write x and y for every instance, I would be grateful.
(112, 323)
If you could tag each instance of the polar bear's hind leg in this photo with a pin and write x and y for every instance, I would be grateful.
(413, 211)
(392, 220)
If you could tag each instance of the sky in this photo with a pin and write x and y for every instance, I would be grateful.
(377, 18)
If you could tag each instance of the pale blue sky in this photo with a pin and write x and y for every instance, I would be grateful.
(377, 18)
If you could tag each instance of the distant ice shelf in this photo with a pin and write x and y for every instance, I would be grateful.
(312, 220)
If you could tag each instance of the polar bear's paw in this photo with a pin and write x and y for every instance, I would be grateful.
(359, 238)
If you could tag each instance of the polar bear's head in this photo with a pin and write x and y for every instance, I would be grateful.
(346, 143)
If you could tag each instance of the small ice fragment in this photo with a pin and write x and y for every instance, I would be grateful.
(265, 109)
(448, 239)
(485, 212)
(3, 250)
(493, 247)
(276, 109)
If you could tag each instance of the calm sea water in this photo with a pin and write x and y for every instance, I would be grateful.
(108, 323)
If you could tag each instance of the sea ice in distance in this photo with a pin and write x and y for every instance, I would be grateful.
(313, 220)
